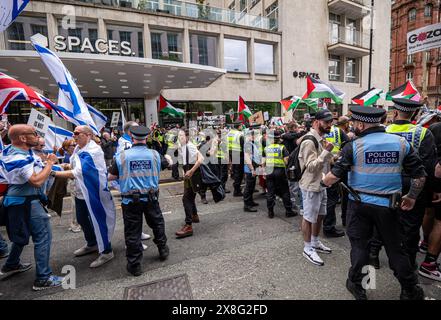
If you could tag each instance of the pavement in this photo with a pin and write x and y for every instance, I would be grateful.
(232, 255)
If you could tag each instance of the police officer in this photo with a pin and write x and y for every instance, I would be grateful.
(137, 170)
(220, 168)
(275, 160)
(423, 142)
(337, 137)
(374, 162)
(235, 146)
(253, 159)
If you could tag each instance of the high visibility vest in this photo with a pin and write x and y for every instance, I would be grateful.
(335, 138)
(376, 172)
(170, 139)
(412, 133)
(274, 156)
(234, 140)
(220, 154)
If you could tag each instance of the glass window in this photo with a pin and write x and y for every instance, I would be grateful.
(428, 10)
(18, 33)
(243, 5)
(409, 76)
(75, 33)
(131, 35)
(254, 2)
(203, 50)
(235, 55)
(166, 45)
(412, 14)
(334, 68)
(263, 58)
(351, 70)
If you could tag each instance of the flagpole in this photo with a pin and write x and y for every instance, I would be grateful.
(371, 44)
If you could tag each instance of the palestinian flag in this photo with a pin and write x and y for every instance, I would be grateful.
(291, 102)
(368, 97)
(243, 110)
(406, 91)
(167, 108)
(318, 89)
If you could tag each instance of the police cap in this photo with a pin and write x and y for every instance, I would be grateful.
(367, 114)
(405, 105)
(139, 132)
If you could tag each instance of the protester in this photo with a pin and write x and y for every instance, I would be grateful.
(107, 146)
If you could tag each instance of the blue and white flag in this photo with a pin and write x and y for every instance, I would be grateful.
(70, 101)
(9, 11)
(89, 169)
(98, 117)
(17, 168)
(55, 136)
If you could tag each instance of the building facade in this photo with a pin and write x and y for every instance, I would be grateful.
(201, 55)
(423, 68)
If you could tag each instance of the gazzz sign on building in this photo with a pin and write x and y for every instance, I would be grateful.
(423, 39)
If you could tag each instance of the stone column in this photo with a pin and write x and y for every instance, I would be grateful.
(52, 29)
(186, 44)
(220, 51)
(147, 42)
(251, 57)
(151, 110)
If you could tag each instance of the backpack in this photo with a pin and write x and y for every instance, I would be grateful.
(295, 173)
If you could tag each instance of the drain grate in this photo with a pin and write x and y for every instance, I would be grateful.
(174, 288)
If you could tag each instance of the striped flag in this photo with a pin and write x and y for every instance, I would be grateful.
(242, 109)
(98, 117)
(292, 102)
(9, 11)
(70, 101)
(166, 107)
(55, 136)
(368, 97)
(318, 89)
(89, 169)
(406, 91)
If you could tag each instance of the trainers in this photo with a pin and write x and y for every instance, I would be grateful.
(430, 271)
(320, 247)
(356, 290)
(312, 256)
(145, 236)
(7, 272)
(85, 250)
(75, 228)
(163, 252)
(102, 259)
(51, 282)
(423, 246)
(185, 231)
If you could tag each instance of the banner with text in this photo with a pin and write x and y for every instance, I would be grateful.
(40, 122)
(424, 39)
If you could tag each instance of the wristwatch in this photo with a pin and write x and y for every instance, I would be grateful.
(53, 174)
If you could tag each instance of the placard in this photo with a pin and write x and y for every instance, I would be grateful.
(40, 122)
(115, 119)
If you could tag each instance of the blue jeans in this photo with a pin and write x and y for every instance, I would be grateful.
(42, 237)
(4, 248)
(85, 221)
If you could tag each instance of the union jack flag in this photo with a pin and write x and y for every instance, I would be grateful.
(11, 89)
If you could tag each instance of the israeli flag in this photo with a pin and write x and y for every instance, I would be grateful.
(70, 101)
(9, 11)
(55, 136)
(12, 166)
(99, 118)
(89, 169)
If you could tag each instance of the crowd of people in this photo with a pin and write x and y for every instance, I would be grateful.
(386, 177)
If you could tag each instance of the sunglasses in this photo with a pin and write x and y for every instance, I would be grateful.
(34, 133)
(77, 133)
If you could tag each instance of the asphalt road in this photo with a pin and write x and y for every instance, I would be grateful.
(232, 255)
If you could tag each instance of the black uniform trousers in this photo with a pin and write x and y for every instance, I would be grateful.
(237, 177)
(250, 185)
(330, 220)
(132, 216)
(175, 171)
(221, 171)
(277, 184)
(410, 223)
(361, 220)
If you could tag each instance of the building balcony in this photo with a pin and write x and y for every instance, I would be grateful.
(347, 41)
(351, 8)
(409, 65)
(195, 11)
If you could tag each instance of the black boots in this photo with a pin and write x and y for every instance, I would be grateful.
(356, 289)
(412, 293)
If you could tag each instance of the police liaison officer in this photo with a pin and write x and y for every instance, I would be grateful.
(374, 162)
(423, 142)
(137, 170)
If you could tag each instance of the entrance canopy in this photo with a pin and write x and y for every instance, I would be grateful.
(108, 76)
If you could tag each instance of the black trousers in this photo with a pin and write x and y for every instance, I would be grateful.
(132, 215)
(221, 171)
(237, 177)
(175, 171)
(410, 223)
(361, 220)
(188, 200)
(250, 185)
(277, 184)
(330, 219)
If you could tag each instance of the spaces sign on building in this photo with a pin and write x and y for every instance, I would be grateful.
(423, 39)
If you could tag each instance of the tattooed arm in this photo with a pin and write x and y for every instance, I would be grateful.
(416, 186)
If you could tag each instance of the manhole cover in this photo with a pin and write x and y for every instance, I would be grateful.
(174, 288)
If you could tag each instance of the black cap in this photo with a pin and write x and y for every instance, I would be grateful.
(139, 132)
(274, 134)
(406, 105)
(324, 114)
(367, 114)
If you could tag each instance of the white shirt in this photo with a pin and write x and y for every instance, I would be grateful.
(192, 153)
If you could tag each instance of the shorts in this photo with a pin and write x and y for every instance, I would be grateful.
(314, 204)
